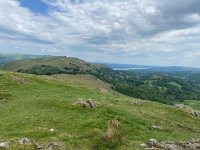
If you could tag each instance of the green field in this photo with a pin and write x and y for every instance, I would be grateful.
(31, 105)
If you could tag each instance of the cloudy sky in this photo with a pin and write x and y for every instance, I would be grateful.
(151, 32)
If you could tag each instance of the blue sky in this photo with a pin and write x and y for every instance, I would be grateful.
(143, 32)
(36, 6)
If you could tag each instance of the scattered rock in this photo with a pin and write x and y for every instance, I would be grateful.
(24, 141)
(153, 143)
(5, 145)
(38, 146)
(187, 109)
(143, 145)
(55, 145)
(19, 80)
(136, 102)
(86, 103)
(157, 127)
(171, 145)
(196, 113)
(180, 106)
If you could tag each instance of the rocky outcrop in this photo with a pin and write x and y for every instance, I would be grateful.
(136, 102)
(32, 143)
(180, 106)
(38, 146)
(196, 113)
(153, 143)
(50, 146)
(5, 145)
(55, 145)
(24, 141)
(171, 145)
(86, 103)
(187, 109)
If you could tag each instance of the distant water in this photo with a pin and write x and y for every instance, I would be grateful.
(129, 68)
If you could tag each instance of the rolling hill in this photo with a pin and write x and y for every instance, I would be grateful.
(47, 109)
(52, 65)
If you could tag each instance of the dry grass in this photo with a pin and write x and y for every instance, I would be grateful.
(114, 131)
(112, 138)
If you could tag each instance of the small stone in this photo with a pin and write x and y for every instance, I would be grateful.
(24, 141)
(157, 127)
(172, 145)
(5, 145)
(38, 146)
(153, 143)
(180, 106)
(52, 130)
(196, 113)
(55, 145)
(143, 145)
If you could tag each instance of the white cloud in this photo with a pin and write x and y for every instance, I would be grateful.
(128, 28)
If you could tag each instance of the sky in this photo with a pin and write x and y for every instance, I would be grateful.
(146, 32)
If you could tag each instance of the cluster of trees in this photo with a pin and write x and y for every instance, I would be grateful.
(49, 70)
(161, 87)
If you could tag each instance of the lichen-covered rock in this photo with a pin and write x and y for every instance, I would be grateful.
(55, 145)
(5, 145)
(153, 143)
(191, 145)
(196, 113)
(38, 146)
(24, 141)
(187, 109)
(143, 145)
(86, 103)
(157, 127)
(180, 106)
(136, 102)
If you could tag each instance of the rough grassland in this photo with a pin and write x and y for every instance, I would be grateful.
(31, 105)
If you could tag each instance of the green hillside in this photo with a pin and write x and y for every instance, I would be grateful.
(52, 65)
(32, 105)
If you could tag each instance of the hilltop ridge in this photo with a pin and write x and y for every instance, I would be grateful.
(53, 65)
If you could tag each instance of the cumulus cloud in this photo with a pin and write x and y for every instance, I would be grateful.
(128, 31)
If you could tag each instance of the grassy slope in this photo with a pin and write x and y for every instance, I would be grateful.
(39, 103)
(57, 61)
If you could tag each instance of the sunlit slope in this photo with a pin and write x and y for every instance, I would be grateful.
(31, 105)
